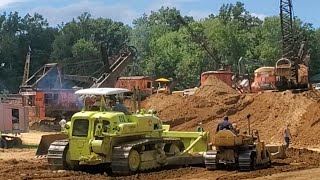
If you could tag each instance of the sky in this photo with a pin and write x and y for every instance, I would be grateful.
(57, 11)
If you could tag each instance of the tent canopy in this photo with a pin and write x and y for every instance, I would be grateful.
(162, 80)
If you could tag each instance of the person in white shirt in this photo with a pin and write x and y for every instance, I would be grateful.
(62, 123)
(287, 135)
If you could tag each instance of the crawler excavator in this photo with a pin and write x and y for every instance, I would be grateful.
(123, 141)
(292, 69)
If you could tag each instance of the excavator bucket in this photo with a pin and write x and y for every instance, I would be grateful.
(46, 141)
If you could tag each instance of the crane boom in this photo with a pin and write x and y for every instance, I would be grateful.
(198, 40)
(27, 67)
(286, 16)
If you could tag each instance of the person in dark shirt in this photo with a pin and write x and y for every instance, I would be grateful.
(225, 124)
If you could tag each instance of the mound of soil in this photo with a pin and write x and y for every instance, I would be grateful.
(213, 87)
(209, 103)
(270, 111)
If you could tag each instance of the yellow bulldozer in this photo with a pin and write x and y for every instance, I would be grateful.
(126, 142)
(243, 151)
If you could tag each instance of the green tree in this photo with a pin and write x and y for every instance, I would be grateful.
(84, 50)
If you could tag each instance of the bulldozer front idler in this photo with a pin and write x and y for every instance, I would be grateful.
(212, 160)
(134, 160)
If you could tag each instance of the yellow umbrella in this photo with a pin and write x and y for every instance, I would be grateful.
(162, 80)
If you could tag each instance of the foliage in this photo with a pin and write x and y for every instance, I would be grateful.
(165, 47)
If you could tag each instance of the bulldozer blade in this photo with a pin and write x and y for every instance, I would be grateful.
(277, 151)
(46, 141)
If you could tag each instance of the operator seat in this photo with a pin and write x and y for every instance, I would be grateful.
(121, 108)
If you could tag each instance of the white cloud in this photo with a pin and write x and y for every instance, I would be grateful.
(4, 3)
(260, 16)
(155, 5)
(198, 14)
(117, 12)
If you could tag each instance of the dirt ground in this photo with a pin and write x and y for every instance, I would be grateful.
(22, 164)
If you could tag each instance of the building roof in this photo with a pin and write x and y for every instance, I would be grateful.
(264, 69)
(220, 71)
(134, 78)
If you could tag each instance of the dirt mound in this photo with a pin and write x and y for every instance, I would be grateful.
(209, 104)
(309, 134)
(270, 112)
(213, 87)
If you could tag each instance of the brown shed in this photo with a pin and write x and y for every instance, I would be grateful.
(144, 83)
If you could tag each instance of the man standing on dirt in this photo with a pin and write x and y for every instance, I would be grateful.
(225, 124)
(287, 135)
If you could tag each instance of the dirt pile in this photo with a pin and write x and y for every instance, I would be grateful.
(213, 87)
(270, 111)
(209, 103)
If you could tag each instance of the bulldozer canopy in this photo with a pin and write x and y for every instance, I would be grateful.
(101, 91)
(162, 80)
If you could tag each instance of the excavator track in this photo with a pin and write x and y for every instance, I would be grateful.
(56, 155)
(211, 160)
(120, 156)
(245, 161)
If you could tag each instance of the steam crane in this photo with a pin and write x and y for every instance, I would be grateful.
(292, 69)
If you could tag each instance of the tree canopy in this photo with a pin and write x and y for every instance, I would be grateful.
(165, 47)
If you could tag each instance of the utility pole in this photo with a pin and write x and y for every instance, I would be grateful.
(26, 67)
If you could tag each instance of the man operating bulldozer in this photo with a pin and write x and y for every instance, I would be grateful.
(225, 124)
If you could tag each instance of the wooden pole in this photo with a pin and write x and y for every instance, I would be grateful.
(134, 100)
(139, 100)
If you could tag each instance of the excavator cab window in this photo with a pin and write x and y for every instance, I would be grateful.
(80, 128)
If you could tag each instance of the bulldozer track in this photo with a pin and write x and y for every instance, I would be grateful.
(120, 155)
(56, 155)
(245, 161)
(211, 160)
